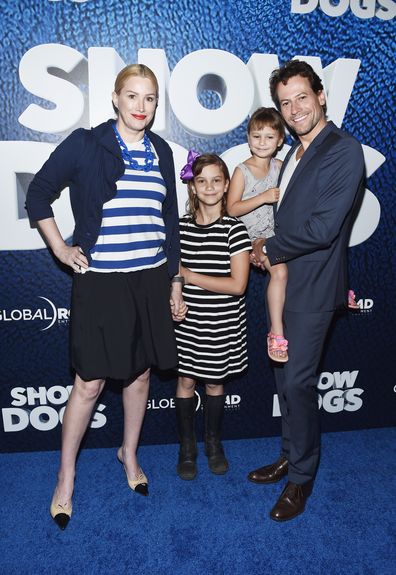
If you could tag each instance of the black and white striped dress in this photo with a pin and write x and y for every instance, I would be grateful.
(211, 340)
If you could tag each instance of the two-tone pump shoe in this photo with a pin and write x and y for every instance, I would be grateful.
(61, 513)
(140, 484)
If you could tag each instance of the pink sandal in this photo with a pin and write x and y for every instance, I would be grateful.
(277, 347)
(352, 304)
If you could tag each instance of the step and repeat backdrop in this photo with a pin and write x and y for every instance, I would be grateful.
(213, 59)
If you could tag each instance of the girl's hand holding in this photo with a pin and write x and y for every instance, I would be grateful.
(177, 303)
(72, 257)
(271, 196)
(178, 311)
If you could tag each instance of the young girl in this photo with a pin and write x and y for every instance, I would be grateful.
(211, 340)
(252, 191)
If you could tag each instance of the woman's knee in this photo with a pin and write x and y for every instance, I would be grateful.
(88, 390)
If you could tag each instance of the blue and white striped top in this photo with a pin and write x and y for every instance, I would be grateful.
(132, 232)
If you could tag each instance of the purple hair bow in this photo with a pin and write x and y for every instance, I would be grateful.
(186, 173)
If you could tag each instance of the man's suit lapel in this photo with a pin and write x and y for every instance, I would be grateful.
(306, 157)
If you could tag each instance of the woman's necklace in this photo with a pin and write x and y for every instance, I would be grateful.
(127, 156)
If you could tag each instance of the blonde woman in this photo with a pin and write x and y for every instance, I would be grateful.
(125, 257)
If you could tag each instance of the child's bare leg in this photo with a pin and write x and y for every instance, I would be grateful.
(277, 346)
(276, 295)
(185, 387)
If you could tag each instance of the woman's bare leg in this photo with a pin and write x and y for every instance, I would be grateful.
(134, 397)
(75, 422)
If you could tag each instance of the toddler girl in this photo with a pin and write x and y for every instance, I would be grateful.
(252, 192)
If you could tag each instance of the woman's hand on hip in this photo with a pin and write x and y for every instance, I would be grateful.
(72, 257)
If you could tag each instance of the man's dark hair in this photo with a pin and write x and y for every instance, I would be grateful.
(289, 70)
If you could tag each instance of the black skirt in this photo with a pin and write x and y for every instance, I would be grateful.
(121, 323)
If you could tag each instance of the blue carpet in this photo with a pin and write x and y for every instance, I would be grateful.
(213, 525)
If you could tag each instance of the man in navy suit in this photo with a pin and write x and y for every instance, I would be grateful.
(320, 184)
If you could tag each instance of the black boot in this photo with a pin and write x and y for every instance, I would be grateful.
(214, 409)
(185, 416)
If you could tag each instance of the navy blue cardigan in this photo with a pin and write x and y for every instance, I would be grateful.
(90, 163)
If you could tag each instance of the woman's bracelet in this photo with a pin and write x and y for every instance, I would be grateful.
(178, 279)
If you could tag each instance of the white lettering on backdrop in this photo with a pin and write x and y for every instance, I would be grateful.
(240, 87)
(364, 9)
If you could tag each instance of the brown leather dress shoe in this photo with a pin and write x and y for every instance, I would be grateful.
(291, 502)
(270, 473)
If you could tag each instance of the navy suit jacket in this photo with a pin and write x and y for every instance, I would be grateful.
(314, 219)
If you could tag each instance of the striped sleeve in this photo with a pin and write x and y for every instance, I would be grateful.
(238, 238)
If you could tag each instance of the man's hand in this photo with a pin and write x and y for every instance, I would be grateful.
(257, 256)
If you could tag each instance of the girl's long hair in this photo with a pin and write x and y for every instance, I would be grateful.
(199, 164)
